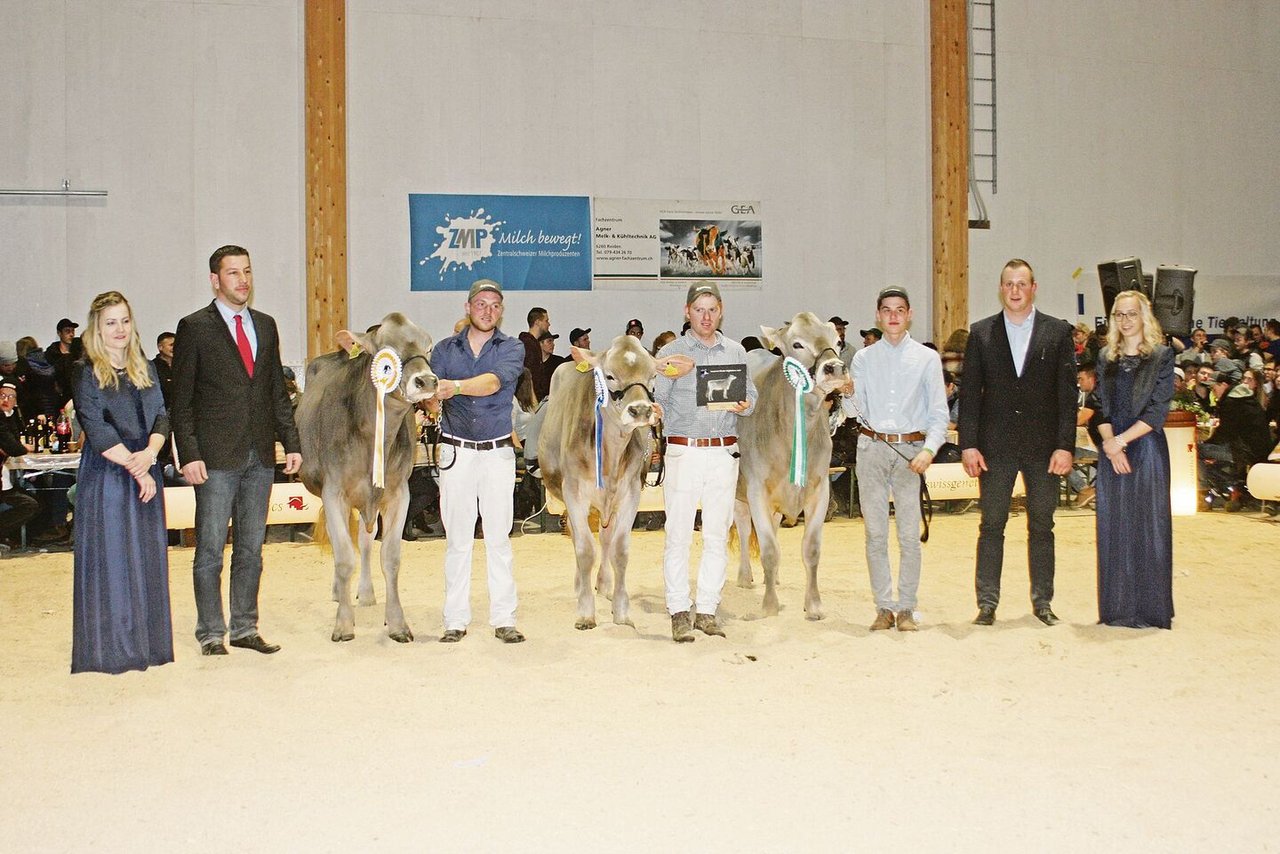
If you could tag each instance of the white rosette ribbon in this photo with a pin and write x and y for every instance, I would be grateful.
(385, 373)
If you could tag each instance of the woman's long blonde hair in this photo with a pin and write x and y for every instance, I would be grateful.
(1152, 334)
(96, 353)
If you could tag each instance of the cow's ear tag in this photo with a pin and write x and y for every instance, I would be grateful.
(583, 367)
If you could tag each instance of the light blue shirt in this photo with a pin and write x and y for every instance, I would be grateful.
(681, 415)
(900, 390)
(1020, 338)
(229, 317)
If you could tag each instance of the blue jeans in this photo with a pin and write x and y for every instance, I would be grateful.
(238, 495)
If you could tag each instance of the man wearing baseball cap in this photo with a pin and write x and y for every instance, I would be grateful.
(477, 370)
(636, 328)
(581, 337)
(870, 336)
(846, 349)
(63, 354)
(701, 462)
(901, 402)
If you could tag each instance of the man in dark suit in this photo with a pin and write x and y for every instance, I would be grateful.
(229, 408)
(1017, 414)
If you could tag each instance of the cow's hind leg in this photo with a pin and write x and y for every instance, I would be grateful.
(395, 506)
(742, 523)
(364, 590)
(584, 548)
(815, 512)
(336, 523)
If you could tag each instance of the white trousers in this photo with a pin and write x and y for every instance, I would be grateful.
(706, 476)
(477, 481)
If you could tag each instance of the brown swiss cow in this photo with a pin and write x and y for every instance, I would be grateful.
(336, 422)
(566, 454)
(765, 490)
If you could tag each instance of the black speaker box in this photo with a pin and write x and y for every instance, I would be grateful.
(1174, 302)
(1123, 274)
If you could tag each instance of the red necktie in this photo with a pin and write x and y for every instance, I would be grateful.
(242, 342)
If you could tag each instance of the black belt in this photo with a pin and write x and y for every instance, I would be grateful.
(893, 438)
(703, 443)
(477, 446)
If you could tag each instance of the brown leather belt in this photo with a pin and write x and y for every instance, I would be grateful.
(703, 443)
(477, 446)
(893, 438)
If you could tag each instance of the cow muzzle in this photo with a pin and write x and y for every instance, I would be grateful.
(830, 374)
(639, 413)
(419, 385)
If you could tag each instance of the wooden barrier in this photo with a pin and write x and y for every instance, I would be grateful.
(290, 504)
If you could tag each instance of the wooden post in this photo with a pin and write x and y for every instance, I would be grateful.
(949, 86)
(325, 24)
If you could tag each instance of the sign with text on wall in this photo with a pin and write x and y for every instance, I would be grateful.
(651, 243)
(525, 243)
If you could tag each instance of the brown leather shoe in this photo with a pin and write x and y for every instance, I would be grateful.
(681, 628)
(907, 622)
(706, 623)
(884, 620)
(508, 634)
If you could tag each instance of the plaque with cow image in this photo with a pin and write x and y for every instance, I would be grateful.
(721, 386)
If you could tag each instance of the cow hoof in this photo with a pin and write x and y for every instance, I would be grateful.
(746, 581)
(584, 623)
(367, 601)
(625, 621)
(340, 637)
(405, 636)
(813, 616)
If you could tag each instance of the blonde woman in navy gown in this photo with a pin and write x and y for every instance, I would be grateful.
(1135, 525)
(121, 593)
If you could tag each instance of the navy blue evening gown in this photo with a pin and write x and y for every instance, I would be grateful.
(1135, 523)
(120, 614)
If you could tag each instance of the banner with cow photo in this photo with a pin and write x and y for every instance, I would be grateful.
(525, 243)
(643, 243)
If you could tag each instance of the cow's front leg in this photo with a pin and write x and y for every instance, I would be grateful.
(618, 545)
(584, 549)
(815, 512)
(336, 523)
(395, 506)
(742, 523)
(364, 590)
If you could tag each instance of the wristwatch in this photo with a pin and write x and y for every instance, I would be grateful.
(457, 386)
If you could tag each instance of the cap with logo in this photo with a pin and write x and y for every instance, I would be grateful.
(700, 289)
(874, 331)
(634, 322)
(482, 285)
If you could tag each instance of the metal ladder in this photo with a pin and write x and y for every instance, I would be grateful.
(982, 107)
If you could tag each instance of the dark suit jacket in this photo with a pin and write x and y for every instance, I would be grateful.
(1025, 417)
(219, 413)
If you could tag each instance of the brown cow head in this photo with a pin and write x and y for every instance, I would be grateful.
(412, 344)
(812, 343)
(629, 371)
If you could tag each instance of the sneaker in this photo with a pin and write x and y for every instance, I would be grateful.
(884, 620)
(508, 634)
(907, 622)
(681, 628)
(706, 623)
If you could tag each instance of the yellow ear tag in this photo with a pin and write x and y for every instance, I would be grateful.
(670, 370)
(583, 367)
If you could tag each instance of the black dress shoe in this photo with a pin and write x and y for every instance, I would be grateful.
(214, 648)
(1046, 616)
(986, 616)
(255, 643)
(453, 635)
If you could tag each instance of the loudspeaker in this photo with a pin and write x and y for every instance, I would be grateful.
(1148, 286)
(1175, 298)
(1123, 274)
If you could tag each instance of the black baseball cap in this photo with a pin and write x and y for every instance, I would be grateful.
(872, 331)
(547, 336)
(65, 322)
(838, 321)
(578, 333)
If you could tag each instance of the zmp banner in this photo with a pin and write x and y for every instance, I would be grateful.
(525, 243)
